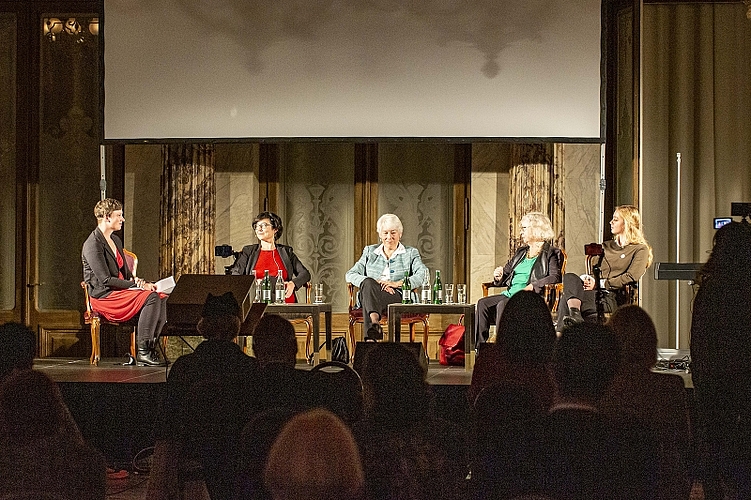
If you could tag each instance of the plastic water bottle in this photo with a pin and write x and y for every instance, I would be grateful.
(426, 293)
(279, 289)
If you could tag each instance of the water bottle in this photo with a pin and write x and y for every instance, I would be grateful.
(266, 288)
(437, 288)
(279, 289)
(257, 286)
(426, 288)
(406, 290)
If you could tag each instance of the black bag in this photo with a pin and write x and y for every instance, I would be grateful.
(339, 350)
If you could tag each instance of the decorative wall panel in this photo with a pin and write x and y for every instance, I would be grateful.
(7, 161)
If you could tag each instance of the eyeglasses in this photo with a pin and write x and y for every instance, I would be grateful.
(263, 225)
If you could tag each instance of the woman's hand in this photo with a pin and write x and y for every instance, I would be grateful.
(140, 283)
(498, 273)
(289, 289)
(389, 286)
(589, 282)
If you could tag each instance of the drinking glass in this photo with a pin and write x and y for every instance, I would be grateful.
(461, 293)
(318, 293)
(448, 293)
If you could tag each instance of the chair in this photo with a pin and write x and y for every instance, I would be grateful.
(356, 316)
(92, 317)
(551, 293)
(628, 295)
(337, 387)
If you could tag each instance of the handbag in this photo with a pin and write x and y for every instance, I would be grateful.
(451, 345)
(339, 350)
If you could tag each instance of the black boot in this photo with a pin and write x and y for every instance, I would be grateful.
(574, 317)
(145, 355)
(158, 354)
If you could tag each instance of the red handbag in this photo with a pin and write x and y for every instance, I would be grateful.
(451, 345)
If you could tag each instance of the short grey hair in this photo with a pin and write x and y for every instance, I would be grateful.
(539, 227)
(389, 221)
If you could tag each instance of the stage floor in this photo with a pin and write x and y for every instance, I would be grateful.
(110, 370)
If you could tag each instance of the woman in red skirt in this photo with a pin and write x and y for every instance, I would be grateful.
(115, 293)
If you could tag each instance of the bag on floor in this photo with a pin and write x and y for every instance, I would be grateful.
(451, 345)
(339, 350)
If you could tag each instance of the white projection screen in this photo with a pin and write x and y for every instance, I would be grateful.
(224, 69)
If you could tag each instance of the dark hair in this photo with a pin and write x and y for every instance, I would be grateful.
(17, 347)
(105, 207)
(274, 339)
(31, 405)
(526, 330)
(731, 255)
(636, 335)
(585, 360)
(394, 386)
(276, 222)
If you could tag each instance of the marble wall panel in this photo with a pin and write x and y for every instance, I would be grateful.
(581, 166)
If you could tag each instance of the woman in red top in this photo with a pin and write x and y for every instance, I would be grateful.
(115, 293)
(272, 256)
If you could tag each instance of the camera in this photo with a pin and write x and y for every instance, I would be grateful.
(223, 251)
(593, 249)
(721, 221)
(740, 209)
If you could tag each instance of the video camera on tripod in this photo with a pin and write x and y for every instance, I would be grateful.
(225, 251)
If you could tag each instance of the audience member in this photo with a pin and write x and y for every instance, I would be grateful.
(210, 397)
(521, 354)
(42, 449)
(314, 456)
(17, 348)
(721, 362)
(337, 387)
(407, 453)
(584, 455)
(655, 399)
(280, 384)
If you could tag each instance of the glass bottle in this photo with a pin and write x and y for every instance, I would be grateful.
(437, 288)
(257, 286)
(266, 288)
(406, 290)
(279, 289)
(426, 288)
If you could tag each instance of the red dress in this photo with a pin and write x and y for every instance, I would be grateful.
(271, 260)
(121, 305)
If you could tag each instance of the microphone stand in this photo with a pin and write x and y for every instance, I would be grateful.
(599, 294)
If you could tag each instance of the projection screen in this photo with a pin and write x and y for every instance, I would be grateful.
(224, 69)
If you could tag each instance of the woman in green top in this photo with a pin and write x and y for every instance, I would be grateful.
(533, 266)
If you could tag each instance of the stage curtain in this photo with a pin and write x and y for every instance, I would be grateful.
(535, 185)
(696, 102)
(188, 208)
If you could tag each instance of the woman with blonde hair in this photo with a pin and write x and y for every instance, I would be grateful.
(314, 456)
(534, 265)
(623, 261)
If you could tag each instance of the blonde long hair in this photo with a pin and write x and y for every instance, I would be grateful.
(633, 232)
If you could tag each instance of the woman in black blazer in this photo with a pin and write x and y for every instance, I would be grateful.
(115, 293)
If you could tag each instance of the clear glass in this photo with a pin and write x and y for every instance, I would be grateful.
(448, 293)
(8, 63)
(318, 297)
(461, 293)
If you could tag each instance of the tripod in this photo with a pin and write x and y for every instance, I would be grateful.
(599, 294)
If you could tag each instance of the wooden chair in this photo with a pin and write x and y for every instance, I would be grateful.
(551, 293)
(356, 316)
(628, 295)
(93, 318)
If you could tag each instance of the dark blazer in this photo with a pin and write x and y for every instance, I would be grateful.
(546, 269)
(100, 271)
(296, 271)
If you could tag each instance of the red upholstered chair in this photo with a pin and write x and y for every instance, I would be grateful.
(355, 317)
(92, 317)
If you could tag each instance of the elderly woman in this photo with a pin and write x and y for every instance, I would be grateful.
(624, 261)
(380, 273)
(115, 293)
(272, 256)
(533, 266)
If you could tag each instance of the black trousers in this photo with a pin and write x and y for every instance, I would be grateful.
(373, 299)
(151, 318)
(573, 288)
(488, 309)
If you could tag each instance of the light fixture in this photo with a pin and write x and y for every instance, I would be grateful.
(54, 28)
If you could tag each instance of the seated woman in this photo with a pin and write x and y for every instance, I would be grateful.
(115, 293)
(271, 256)
(380, 272)
(625, 260)
(533, 266)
